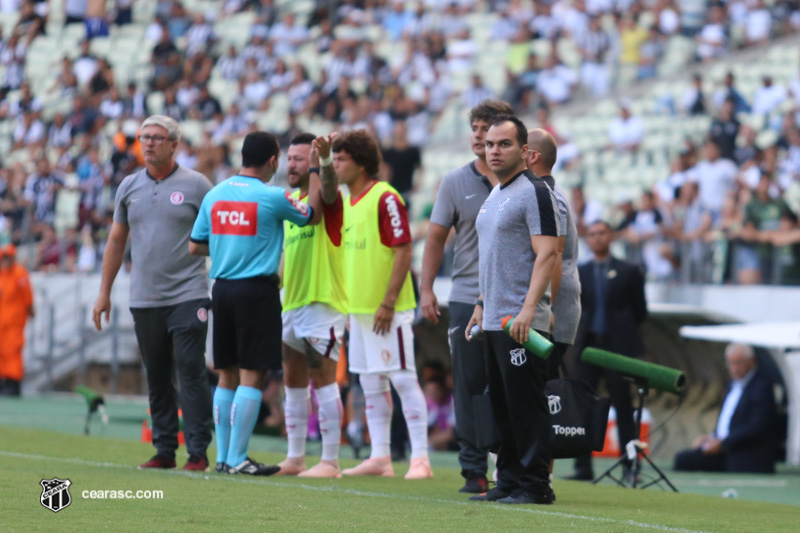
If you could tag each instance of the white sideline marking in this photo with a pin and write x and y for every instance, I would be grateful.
(338, 490)
(779, 483)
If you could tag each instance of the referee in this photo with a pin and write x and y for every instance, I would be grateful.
(240, 225)
(518, 241)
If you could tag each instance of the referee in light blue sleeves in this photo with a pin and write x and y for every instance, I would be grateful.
(240, 225)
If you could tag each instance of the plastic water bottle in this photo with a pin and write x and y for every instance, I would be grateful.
(730, 493)
(535, 343)
(475, 332)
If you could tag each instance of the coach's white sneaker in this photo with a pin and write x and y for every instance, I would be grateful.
(292, 466)
(323, 469)
(374, 466)
(420, 469)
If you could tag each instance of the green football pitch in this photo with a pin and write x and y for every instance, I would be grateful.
(41, 438)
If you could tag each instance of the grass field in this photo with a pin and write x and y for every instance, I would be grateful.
(200, 502)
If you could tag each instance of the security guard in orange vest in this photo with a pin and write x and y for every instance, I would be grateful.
(16, 305)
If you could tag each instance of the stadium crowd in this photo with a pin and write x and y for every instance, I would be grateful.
(730, 200)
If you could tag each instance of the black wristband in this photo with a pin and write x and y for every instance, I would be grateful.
(479, 302)
(315, 170)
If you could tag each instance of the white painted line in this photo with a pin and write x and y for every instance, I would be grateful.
(777, 483)
(355, 492)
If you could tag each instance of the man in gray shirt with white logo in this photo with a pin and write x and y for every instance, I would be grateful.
(157, 207)
(565, 287)
(518, 242)
(461, 194)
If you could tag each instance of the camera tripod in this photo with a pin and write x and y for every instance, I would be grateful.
(635, 451)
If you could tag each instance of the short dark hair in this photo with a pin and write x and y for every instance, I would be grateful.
(362, 147)
(522, 131)
(258, 148)
(302, 138)
(488, 109)
(604, 223)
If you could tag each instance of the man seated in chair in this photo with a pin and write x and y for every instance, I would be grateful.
(744, 440)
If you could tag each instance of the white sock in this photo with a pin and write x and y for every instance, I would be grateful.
(296, 414)
(330, 420)
(415, 410)
(379, 412)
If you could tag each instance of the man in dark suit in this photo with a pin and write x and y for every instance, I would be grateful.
(613, 308)
(744, 439)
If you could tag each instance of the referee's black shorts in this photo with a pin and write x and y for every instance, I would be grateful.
(247, 323)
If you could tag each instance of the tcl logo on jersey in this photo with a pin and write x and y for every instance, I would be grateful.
(394, 216)
(234, 218)
(300, 206)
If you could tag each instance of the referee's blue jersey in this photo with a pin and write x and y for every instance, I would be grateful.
(241, 219)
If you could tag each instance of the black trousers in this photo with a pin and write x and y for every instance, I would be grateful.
(172, 340)
(10, 387)
(697, 461)
(469, 379)
(516, 388)
(619, 390)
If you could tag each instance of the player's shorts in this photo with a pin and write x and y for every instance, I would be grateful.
(316, 325)
(247, 323)
(371, 353)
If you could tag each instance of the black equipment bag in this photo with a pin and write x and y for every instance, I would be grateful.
(487, 434)
(578, 416)
(579, 419)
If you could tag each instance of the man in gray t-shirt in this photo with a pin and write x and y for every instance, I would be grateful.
(565, 285)
(518, 244)
(157, 207)
(461, 194)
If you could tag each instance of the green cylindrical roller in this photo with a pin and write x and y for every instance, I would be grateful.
(658, 377)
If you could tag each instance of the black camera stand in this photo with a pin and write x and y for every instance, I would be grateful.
(633, 472)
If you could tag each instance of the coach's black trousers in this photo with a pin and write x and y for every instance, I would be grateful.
(469, 379)
(516, 388)
(173, 338)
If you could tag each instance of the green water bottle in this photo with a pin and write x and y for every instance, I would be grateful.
(536, 343)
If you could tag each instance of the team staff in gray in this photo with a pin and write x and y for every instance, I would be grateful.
(157, 207)
(518, 242)
(565, 286)
(461, 194)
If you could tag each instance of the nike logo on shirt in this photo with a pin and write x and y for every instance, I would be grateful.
(452, 330)
(348, 229)
(470, 196)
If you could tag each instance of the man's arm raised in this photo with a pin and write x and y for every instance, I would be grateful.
(329, 185)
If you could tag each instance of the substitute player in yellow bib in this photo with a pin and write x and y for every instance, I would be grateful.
(314, 307)
(380, 298)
